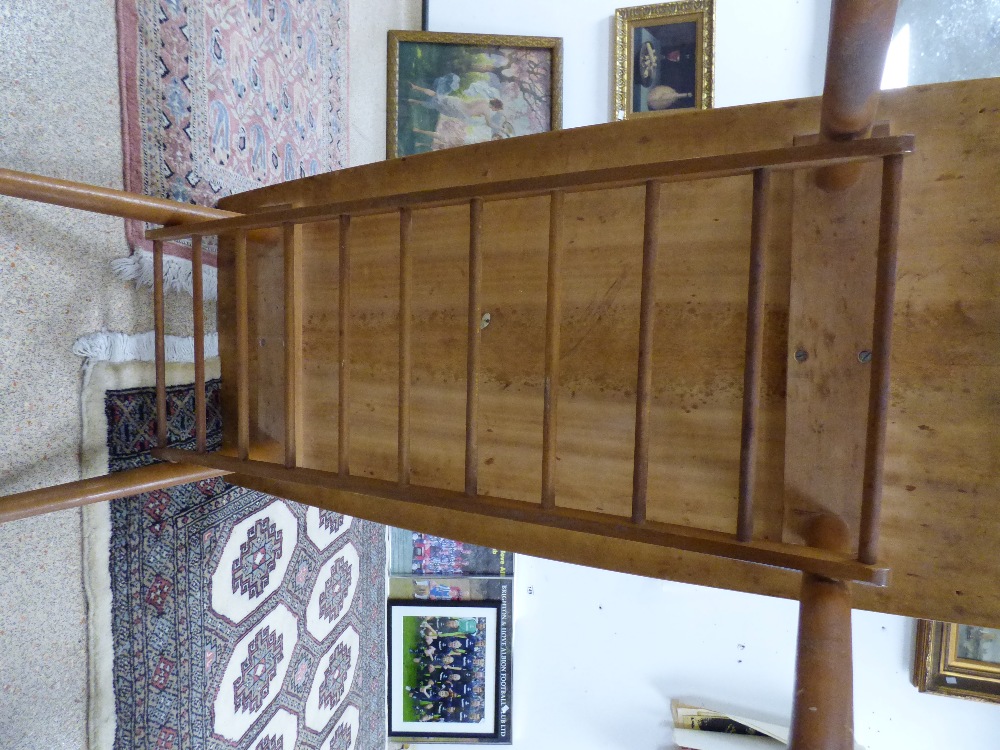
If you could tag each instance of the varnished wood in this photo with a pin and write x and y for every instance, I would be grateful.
(860, 32)
(760, 211)
(553, 313)
(293, 341)
(198, 334)
(344, 349)
(697, 168)
(159, 346)
(101, 489)
(473, 339)
(941, 441)
(242, 347)
(823, 701)
(647, 304)
(878, 397)
(103, 200)
(834, 250)
(405, 338)
(795, 557)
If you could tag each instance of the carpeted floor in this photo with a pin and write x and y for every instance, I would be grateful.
(59, 116)
(193, 587)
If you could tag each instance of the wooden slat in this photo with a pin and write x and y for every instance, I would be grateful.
(242, 348)
(405, 331)
(726, 165)
(795, 557)
(833, 266)
(293, 340)
(644, 379)
(101, 489)
(553, 315)
(878, 394)
(160, 348)
(344, 345)
(754, 351)
(198, 294)
(473, 339)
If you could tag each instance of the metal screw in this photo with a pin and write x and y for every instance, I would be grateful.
(865, 356)
(486, 321)
(801, 355)
(261, 342)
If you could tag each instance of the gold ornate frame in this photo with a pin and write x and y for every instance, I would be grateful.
(628, 19)
(554, 44)
(937, 667)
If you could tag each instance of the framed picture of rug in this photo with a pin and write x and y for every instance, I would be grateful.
(957, 660)
(448, 663)
(664, 58)
(456, 89)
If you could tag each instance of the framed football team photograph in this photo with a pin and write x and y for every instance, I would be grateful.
(445, 675)
(448, 89)
(664, 58)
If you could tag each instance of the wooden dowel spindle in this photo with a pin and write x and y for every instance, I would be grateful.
(553, 314)
(878, 394)
(754, 349)
(647, 314)
(293, 343)
(159, 335)
(474, 334)
(405, 279)
(242, 348)
(343, 405)
(197, 290)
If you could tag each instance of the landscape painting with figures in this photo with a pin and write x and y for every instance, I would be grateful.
(444, 669)
(456, 89)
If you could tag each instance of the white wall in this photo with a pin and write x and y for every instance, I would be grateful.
(598, 656)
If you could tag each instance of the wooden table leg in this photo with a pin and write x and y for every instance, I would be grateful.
(823, 706)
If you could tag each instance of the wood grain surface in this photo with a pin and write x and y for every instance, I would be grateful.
(942, 470)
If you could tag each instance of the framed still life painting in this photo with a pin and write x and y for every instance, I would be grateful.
(447, 670)
(455, 89)
(664, 58)
(957, 660)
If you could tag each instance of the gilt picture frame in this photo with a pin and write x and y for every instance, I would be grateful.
(957, 660)
(447, 89)
(664, 58)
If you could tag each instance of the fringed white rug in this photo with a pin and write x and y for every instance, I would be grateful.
(104, 372)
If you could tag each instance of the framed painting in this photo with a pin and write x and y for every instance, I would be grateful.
(664, 58)
(447, 668)
(455, 89)
(957, 660)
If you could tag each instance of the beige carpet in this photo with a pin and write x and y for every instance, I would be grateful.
(59, 116)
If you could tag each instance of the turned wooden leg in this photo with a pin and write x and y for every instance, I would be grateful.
(823, 707)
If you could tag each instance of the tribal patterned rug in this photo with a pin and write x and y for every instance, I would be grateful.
(239, 620)
(223, 96)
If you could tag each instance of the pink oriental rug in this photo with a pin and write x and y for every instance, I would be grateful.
(223, 96)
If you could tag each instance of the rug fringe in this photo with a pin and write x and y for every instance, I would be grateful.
(138, 267)
(110, 346)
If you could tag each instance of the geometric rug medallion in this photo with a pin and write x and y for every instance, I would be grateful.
(239, 620)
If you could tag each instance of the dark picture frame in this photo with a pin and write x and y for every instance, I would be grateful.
(444, 684)
(962, 661)
(664, 58)
(446, 89)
